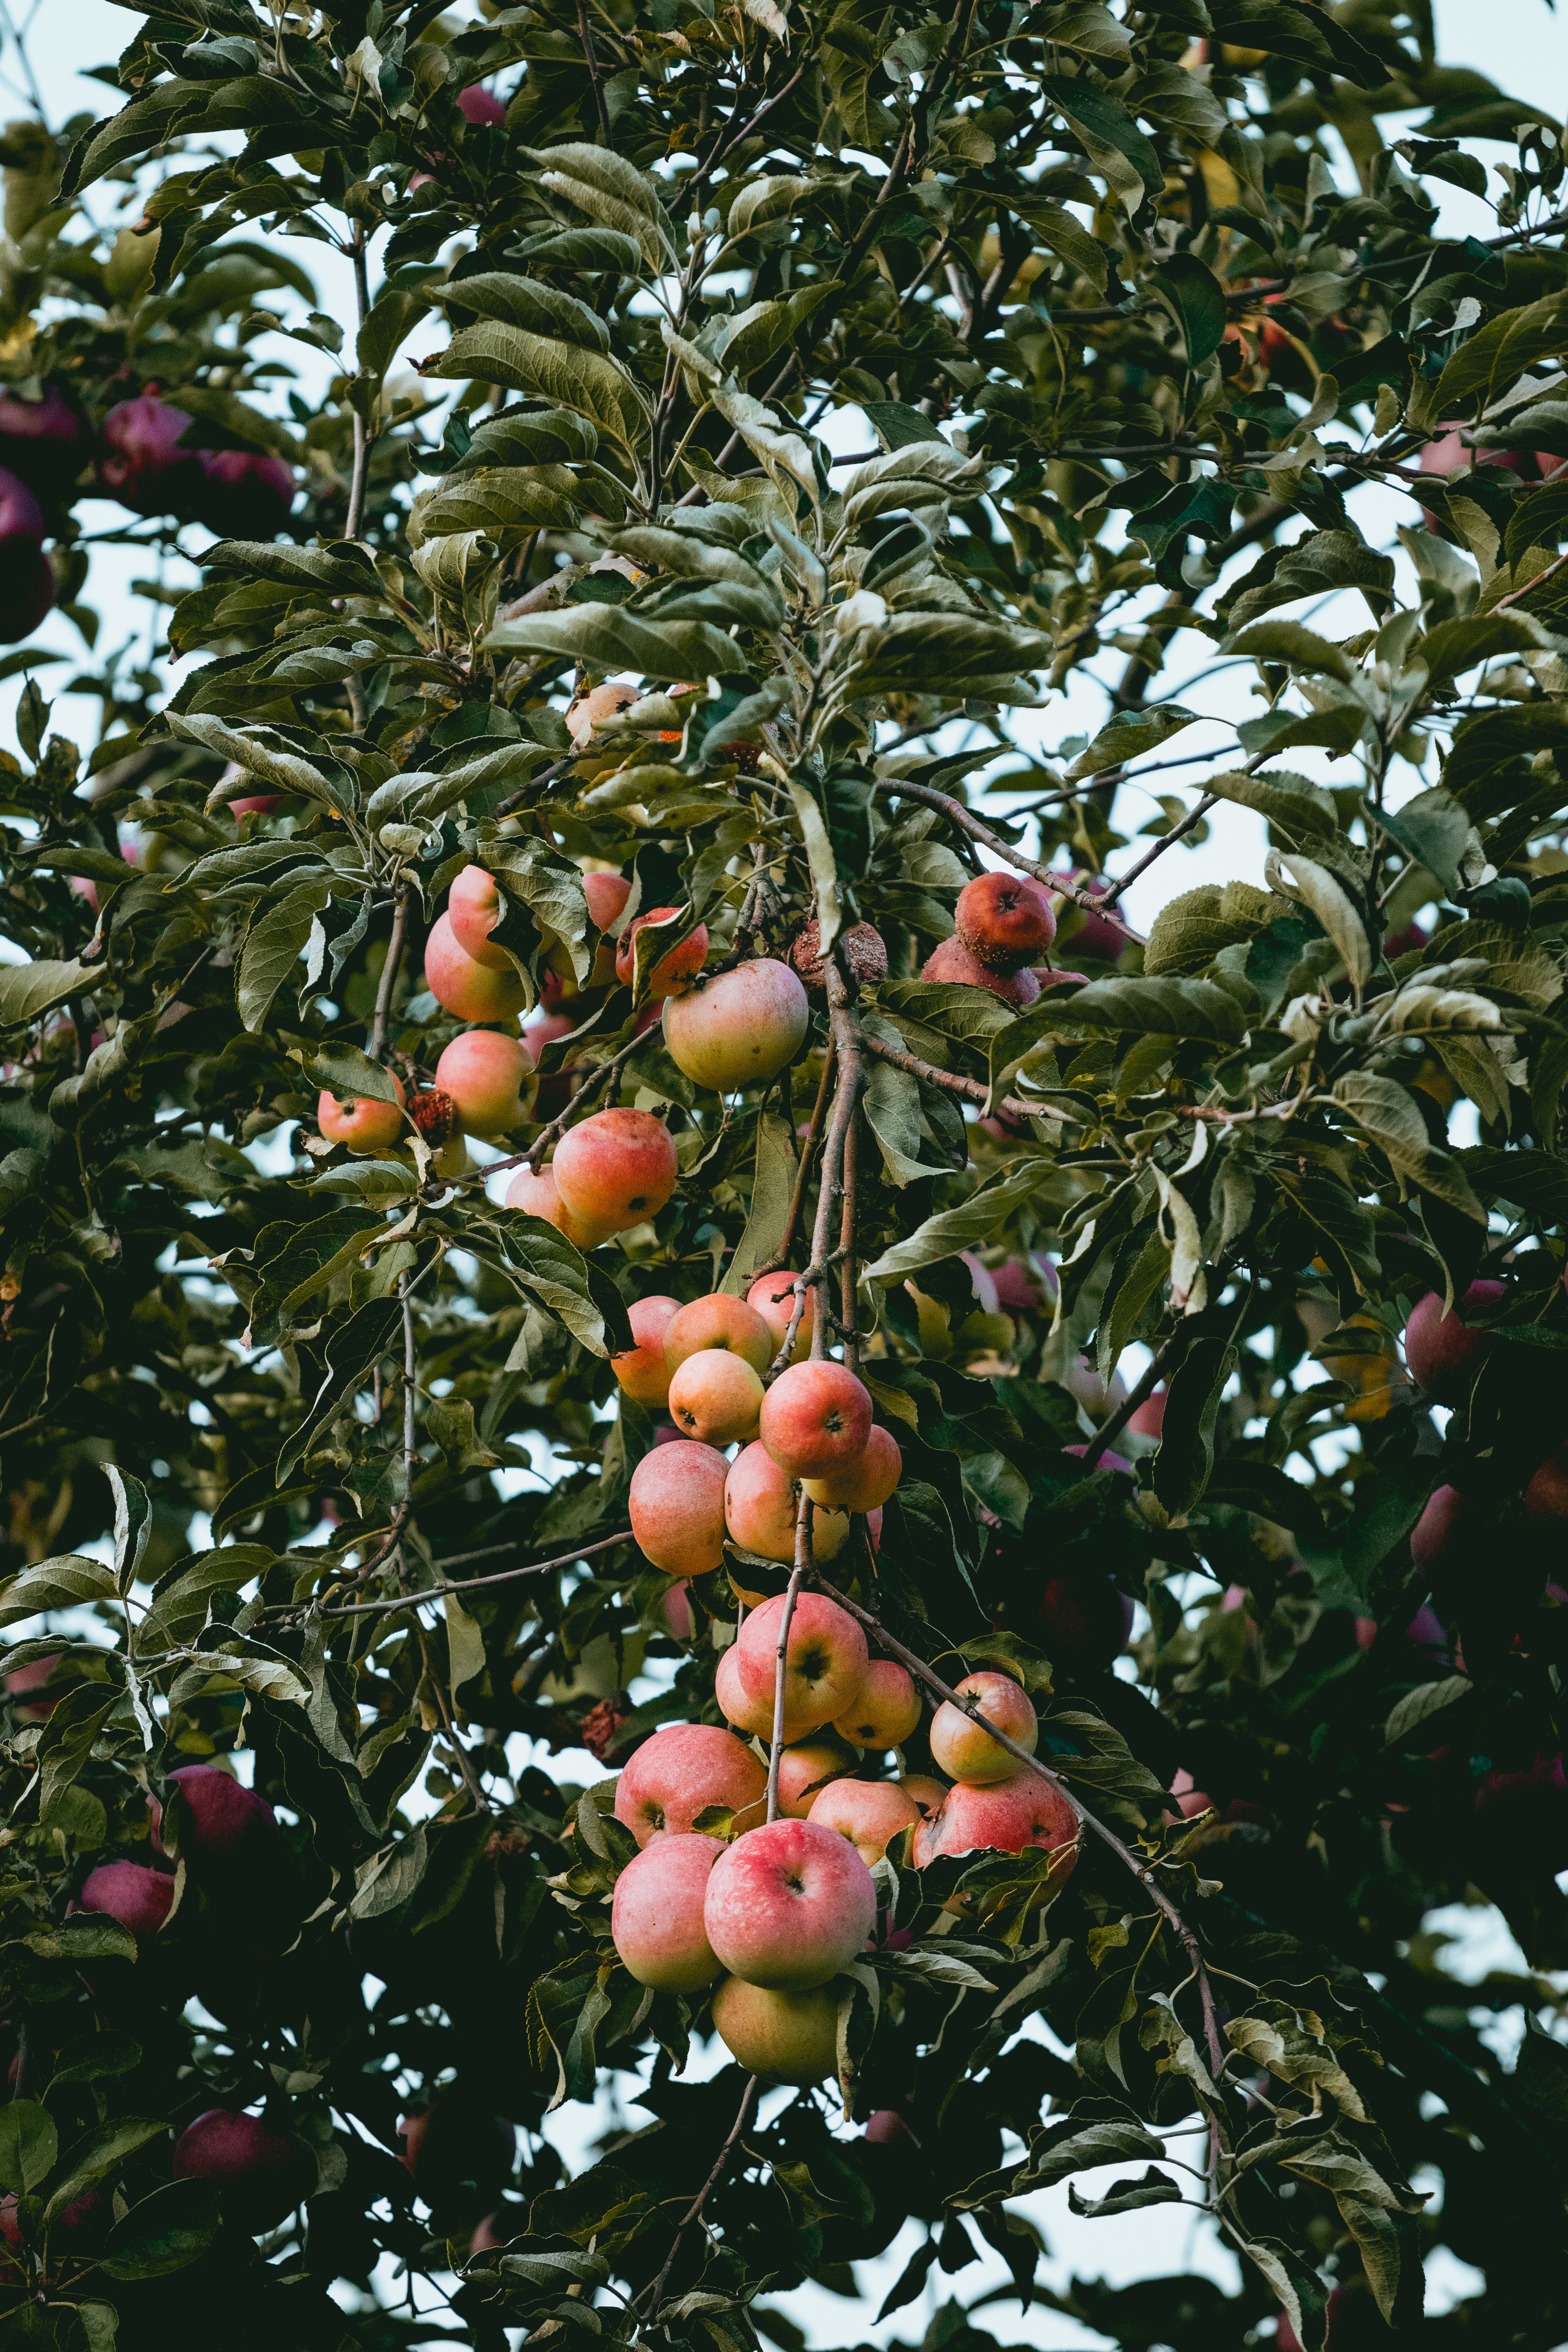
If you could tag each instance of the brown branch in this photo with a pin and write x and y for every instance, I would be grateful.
(801, 1174)
(803, 1564)
(474, 1583)
(587, 38)
(1194, 815)
(956, 813)
(1139, 1393)
(596, 1077)
(846, 1313)
(1086, 1820)
(970, 1089)
(694, 2209)
(388, 978)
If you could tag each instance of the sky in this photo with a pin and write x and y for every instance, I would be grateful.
(1524, 47)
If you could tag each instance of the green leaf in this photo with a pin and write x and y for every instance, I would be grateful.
(1425, 1699)
(68, 1738)
(1194, 296)
(353, 1353)
(100, 2153)
(1115, 146)
(280, 769)
(1309, 36)
(1295, 803)
(761, 332)
(61, 1584)
(1160, 1007)
(1288, 641)
(978, 1219)
(346, 1072)
(1129, 735)
(546, 1266)
(1489, 361)
(1186, 1458)
(1385, 1112)
(164, 2231)
(1434, 830)
(523, 302)
(28, 989)
(896, 426)
(274, 945)
(1454, 646)
(1319, 889)
(28, 2146)
(589, 382)
(551, 886)
(1126, 2196)
(606, 637)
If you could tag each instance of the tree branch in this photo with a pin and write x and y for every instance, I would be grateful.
(956, 813)
(970, 1089)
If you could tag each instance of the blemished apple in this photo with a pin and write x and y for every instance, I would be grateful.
(670, 971)
(887, 1712)
(536, 1196)
(656, 1918)
(773, 1297)
(788, 1906)
(221, 1820)
(137, 1897)
(817, 1419)
(824, 1657)
(1442, 1350)
(1002, 1819)
(861, 950)
(739, 1028)
(786, 2037)
(359, 1121)
(642, 1371)
(959, 1745)
(869, 1813)
(466, 988)
(1005, 920)
(682, 1770)
(930, 1795)
(262, 2173)
(720, 1321)
(676, 1508)
(716, 1397)
(753, 1712)
(760, 1506)
(954, 962)
(616, 1169)
(588, 712)
(484, 1071)
(868, 1481)
(805, 1769)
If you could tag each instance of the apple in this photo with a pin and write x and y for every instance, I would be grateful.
(1083, 1621)
(656, 1918)
(869, 1813)
(1442, 1352)
(1090, 1390)
(1002, 1819)
(679, 1772)
(824, 1660)
(555, 1090)
(473, 910)
(29, 583)
(484, 1071)
(773, 1298)
(1523, 1816)
(720, 1321)
(760, 1504)
(24, 1687)
(263, 2173)
(788, 1906)
(1106, 1459)
(867, 1482)
(481, 106)
(1192, 1799)
(1444, 1535)
(536, 1196)
(786, 2037)
(958, 1744)
(805, 1769)
(46, 441)
(953, 961)
(143, 463)
(862, 948)
(1145, 1425)
(676, 1508)
(616, 1169)
(815, 1418)
(457, 2150)
(673, 971)
(1005, 920)
(607, 894)
(471, 990)
(244, 493)
(715, 1397)
(218, 1819)
(888, 1711)
(1546, 1497)
(751, 1714)
(587, 713)
(738, 1028)
(1091, 935)
(676, 1604)
(885, 2126)
(930, 1795)
(361, 1121)
(642, 1371)
(139, 1897)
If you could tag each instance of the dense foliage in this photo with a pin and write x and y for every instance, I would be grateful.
(1109, 323)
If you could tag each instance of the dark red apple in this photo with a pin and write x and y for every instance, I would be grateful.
(138, 1896)
(22, 1680)
(1442, 1352)
(262, 2173)
(1083, 1623)
(222, 1820)
(142, 464)
(1442, 1536)
(245, 495)
(457, 2150)
(481, 106)
(1526, 1815)
(1546, 1497)
(45, 441)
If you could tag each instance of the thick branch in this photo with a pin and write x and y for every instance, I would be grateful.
(388, 978)
(970, 1089)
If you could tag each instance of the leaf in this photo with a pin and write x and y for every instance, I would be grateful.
(350, 1074)
(1063, 2146)
(464, 1643)
(351, 1354)
(773, 1183)
(59, 1583)
(28, 989)
(1194, 295)
(1186, 1458)
(164, 2231)
(1385, 1112)
(28, 2146)
(1115, 146)
(1425, 1699)
(589, 382)
(1129, 735)
(1307, 36)
(1434, 830)
(1289, 640)
(283, 771)
(978, 1219)
(95, 1938)
(1454, 646)
(1159, 1007)
(1489, 361)
(1322, 891)
(609, 189)
(897, 427)
(941, 1967)
(1126, 2196)
(606, 637)
(523, 302)
(763, 331)
(1293, 803)
(273, 946)
(101, 2152)
(547, 1267)
(68, 1738)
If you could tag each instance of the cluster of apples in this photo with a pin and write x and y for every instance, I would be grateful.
(770, 1915)
(810, 1433)
(1003, 924)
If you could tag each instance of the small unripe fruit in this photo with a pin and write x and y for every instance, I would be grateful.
(679, 1773)
(960, 1746)
(888, 1711)
(670, 971)
(642, 1371)
(616, 1169)
(536, 1196)
(720, 1321)
(361, 1121)
(738, 1029)
(656, 1918)
(954, 962)
(716, 1397)
(484, 1071)
(786, 2037)
(817, 1419)
(1005, 920)
(788, 1906)
(676, 1508)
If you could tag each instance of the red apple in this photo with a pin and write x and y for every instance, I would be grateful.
(679, 1772)
(954, 962)
(825, 1661)
(788, 1906)
(786, 2037)
(245, 494)
(143, 463)
(1546, 1497)
(676, 1607)
(930, 1795)
(44, 441)
(219, 1819)
(869, 1813)
(720, 1321)
(536, 1196)
(361, 1121)
(887, 1712)
(656, 1918)
(480, 107)
(1004, 1819)
(753, 1715)
(642, 1371)
(739, 1028)
(484, 1071)
(1091, 935)
(865, 1483)
(1192, 1799)
(1444, 1535)
(1005, 920)
(715, 1397)
(760, 1506)
(586, 715)
(958, 1744)
(817, 1419)
(771, 1296)
(131, 1893)
(805, 1769)
(1442, 1352)
(617, 1169)
(676, 1508)
(473, 910)
(22, 1681)
(463, 986)
(607, 894)
(263, 2174)
(670, 971)
(1083, 1621)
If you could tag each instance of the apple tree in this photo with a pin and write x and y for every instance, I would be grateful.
(601, 854)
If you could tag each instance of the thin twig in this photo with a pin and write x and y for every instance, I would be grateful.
(1010, 1106)
(1194, 815)
(802, 1173)
(586, 35)
(359, 480)
(474, 1583)
(599, 1076)
(388, 977)
(956, 813)
(1139, 1393)
(694, 2209)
